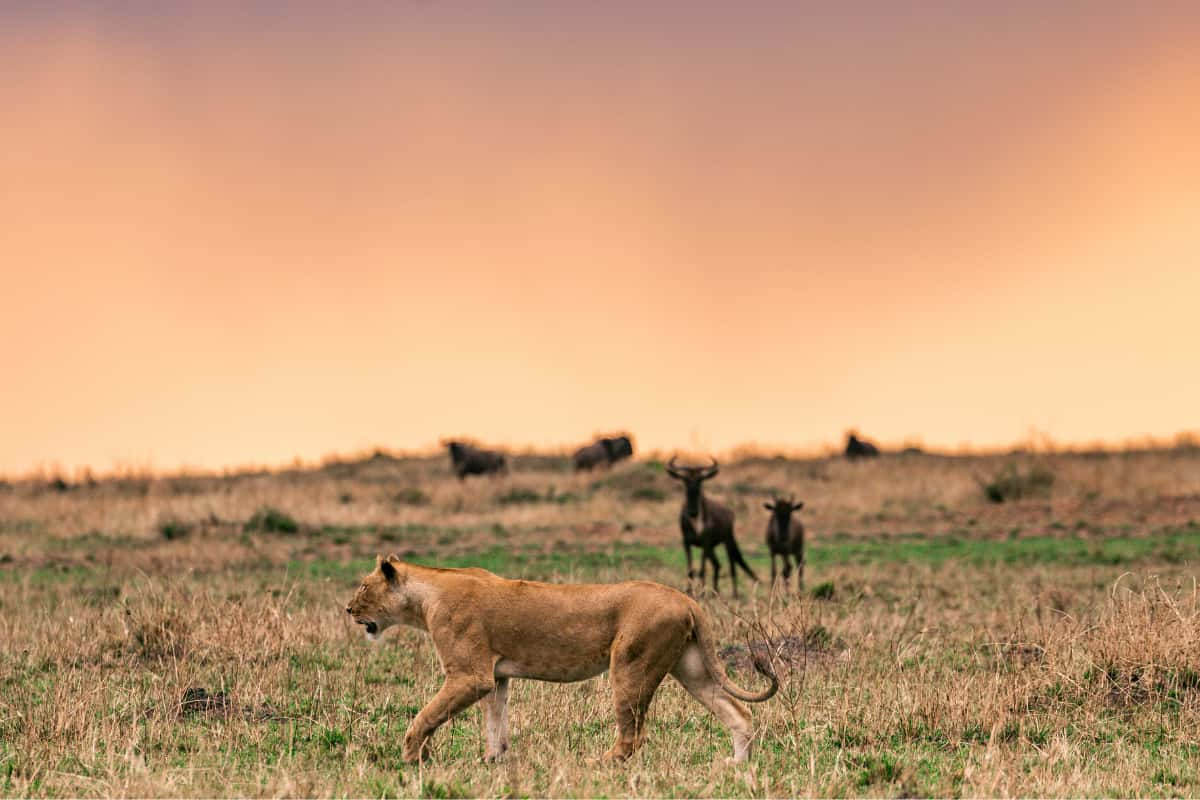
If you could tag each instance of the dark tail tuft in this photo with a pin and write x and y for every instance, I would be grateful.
(735, 557)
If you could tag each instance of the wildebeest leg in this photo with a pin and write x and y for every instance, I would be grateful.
(772, 569)
(687, 549)
(787, 572)
(732, 553)
(800, 571)
(716, 565)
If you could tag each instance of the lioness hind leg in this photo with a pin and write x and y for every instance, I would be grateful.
(495, 721)
(693, 675)
(636, 668)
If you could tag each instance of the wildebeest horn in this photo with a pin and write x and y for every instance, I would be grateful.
(672, 469)
(713, 469)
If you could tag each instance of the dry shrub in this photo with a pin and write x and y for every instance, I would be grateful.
(1146, 646)
(156, 627)
(1013, 483)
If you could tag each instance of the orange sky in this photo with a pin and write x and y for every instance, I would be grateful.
(234, 236)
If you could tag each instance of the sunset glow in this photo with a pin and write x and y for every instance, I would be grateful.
(244, 236)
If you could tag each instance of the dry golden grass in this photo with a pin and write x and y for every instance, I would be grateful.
(946, 646)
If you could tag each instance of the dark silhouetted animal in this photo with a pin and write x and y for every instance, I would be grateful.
(785, 538)
(467, 460)
(705, 524)
(857, 448)
(606, 451)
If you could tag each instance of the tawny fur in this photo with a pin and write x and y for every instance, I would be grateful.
(488, 630)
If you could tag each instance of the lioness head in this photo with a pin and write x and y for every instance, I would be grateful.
(375, 604)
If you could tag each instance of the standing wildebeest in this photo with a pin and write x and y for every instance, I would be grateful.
(705, 524)
(857, 448)
(469, 460)
(785, 537)
(606, 451)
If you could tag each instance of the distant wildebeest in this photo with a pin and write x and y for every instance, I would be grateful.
(606, 451)
(857, 448)
(467, 460)
(705, 524)
(785, 538)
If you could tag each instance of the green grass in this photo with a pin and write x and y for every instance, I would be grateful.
(1174, 546)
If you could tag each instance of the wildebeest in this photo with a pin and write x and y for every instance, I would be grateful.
(705, 524)
(607, 451)
(785, 538)
(857, 448)
(466, 459)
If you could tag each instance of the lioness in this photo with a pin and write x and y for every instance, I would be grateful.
(487, 629)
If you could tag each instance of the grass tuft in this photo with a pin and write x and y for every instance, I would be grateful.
(1013, 483)
(271, 520)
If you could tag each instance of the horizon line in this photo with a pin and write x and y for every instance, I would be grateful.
(1036, 443)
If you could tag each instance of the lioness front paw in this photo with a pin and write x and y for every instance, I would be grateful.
(615, 755)
(412, 752)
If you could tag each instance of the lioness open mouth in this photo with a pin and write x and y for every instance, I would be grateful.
(371, 627)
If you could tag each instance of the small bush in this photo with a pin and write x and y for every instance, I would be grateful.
(650, 494)
(172, 529)
(823, 591)
(1011, 483)
(157, 629)
(412, 496)
(271, 520)
(818, 637)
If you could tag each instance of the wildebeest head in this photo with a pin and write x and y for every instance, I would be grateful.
(606, 450)
(458, 451)
(618, 447)
(783, 509)
(692, 478)
(859, 448)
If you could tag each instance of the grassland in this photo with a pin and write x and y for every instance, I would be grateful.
(184, 635)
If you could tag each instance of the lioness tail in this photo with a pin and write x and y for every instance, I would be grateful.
(704, 638)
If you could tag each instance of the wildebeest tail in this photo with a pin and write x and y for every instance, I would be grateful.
(735, 558)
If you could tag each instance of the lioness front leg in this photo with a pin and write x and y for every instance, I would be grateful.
(495, 721)
(457, 693)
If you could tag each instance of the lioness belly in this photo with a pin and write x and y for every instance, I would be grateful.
(551, 669)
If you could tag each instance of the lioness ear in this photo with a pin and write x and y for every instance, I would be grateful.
(388, 569)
